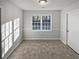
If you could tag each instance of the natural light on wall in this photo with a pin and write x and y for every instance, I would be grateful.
(10, 32)
(16, 28)
(6, 37)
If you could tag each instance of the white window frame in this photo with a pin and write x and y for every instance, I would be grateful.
(41, 22)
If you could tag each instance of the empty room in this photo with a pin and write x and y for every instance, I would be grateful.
(39, 29)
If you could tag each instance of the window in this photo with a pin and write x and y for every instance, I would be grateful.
(43, 23)
(10, 32)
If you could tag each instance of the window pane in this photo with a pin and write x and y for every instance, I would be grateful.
(44, 18)
(36, 22)
(7, 29)
(16, 34)
(46, 22)
(48, 26)
(48, 17)
(3, 48)
(6, 45)
(3, 31)
(10, 41)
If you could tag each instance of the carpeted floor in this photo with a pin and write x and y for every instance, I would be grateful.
(43, 50)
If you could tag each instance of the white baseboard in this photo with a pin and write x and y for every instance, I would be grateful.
(41, 39)
(63, 42)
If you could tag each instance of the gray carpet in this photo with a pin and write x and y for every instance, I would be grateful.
(43, 50)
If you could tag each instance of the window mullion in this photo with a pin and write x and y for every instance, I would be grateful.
(41, 23)
(51, 23)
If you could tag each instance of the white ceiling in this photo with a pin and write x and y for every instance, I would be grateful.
(52, 4)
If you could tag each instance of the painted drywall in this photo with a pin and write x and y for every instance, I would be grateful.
(73, 6)
(63, 27)
(38, 35)
(64, 12)
(10, 12)
(52, 4)
(73, 35)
